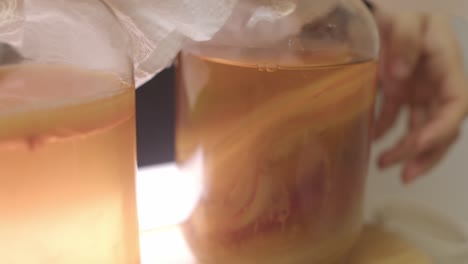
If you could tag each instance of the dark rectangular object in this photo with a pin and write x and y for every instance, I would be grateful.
(155, 109)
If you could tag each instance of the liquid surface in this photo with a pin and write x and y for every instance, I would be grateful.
(285, 152)
(67, 167)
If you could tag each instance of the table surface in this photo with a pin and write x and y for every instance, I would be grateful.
(166, 245)
(160, 207)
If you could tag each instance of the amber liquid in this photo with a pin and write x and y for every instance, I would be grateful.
(285, 154)
(67, 167)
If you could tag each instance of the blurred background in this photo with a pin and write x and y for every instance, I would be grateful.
(445, 188)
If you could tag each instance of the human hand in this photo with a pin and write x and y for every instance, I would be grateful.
(421, 68)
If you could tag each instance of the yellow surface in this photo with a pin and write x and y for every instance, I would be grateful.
(374, 247)
(379, 247)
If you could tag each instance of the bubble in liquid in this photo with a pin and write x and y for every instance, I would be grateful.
(267, 67)
(261, 67)
(271, 67)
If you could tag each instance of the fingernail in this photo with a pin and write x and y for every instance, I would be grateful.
(384, 162)
(400, 70)
(406, 180)
(410, 174)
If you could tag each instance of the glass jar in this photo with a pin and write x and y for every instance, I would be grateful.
(278, 110)
(67, 135)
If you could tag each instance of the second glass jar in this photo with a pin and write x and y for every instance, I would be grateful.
(280, 111)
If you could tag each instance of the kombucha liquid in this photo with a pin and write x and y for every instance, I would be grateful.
(285, 154)
(67, 167)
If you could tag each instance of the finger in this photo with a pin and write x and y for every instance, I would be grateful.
(406, 149)
(442, 48)
(433, 141)
(417, 143)
(406, 45)
(444, 63)
(441, 96)
(412, 145)
(387, 116)
(448, 102)
(418, 117)
(425, 162)
(440, 129)
(444, 125)
(435, 134)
